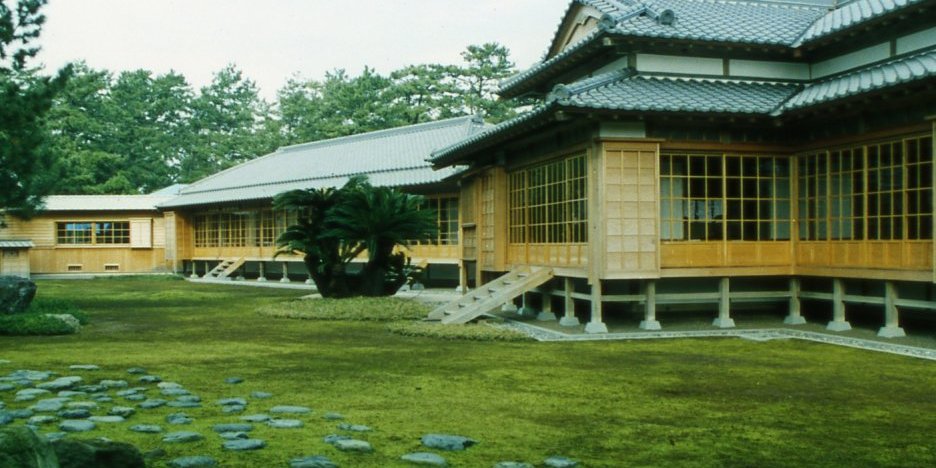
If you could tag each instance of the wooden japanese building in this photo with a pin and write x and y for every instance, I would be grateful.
(714, 153)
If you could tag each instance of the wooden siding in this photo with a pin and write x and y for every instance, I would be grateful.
(14, 262)
(492, 229)
(629, 230)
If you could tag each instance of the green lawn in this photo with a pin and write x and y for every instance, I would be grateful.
(713, 402)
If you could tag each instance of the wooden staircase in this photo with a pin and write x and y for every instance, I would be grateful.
(492, 295)
(224, 269)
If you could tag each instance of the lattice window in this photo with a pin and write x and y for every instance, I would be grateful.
(112, 232)
(92, 232)
(919, 188)
(549, 203)
(445, 211)
(714, 197)
(74, 232)
(265, 229)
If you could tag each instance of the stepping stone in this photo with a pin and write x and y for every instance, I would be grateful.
(513, 464)
(424, 458)
(232, 401)
(76, 425)
(61, 383)
(128, 392)
(85, 367)
(29, 375)
(29, 394)
(197, 461)
(232, 427)
(174, 392)
(228, 409)
(233, 435)
(146, 428)
(182, 436)
(107, 419)
(287, 409)
(136, 371)
(109, 384)
(149, 379)
(124, 411)
(178, 418)
(559, 462)
(183, 404)
(314, 461)
(261, 395)
(243, 444)
(54, 436)
(256, 418)
(154, 403)
(353, 445)
(91, 388)
(233, 380)
(354, 427)
(74, 413)
(6, 387)
(49, 405)
(71, 393)
(137, 397)
(330, 439)
(168, 385)
(447, 442)
(102, 398)
(5, 418)
(189, 398)
(333, 417)
(40, 419)
(284, 423)
(20, 413)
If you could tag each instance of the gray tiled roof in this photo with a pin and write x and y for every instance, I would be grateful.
(16, 244)
(394, 157)
(104, 202)
(849, 15)
(890, 73)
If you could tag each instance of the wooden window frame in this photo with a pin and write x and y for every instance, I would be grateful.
(548, 202)
(117, 234)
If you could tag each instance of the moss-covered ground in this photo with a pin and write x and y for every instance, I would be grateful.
(712, 402)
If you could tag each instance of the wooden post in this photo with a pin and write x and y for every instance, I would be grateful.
(462, 278)
(650, 322)
(568, 319)
(546, 315)
(794, 317)
(262, 277)
(838, 322)
(596, 323)
(724, 319)
(525, 309)
(285, 278)
(194, 270)
(891, 328)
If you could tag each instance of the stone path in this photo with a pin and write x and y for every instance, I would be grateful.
(765, 334)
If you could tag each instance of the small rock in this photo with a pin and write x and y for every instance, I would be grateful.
(146, 428)
(137, 397)
(284, 423)
(91, 388)
(109, 384)
(124, 411)
(178, 418)
(49, 405)
(128, 392)
(233, 435)
(74, 413)
(424, 458)
(41, 419)
(5, 387)
(53, 436)
(354, 427)
(189, 398)
(71, 394)
(155, 454)
(29, 375)
(61, 383)
(168, 385)
(182, 436)
(184, 404)
(244, 444)
(228, 409)
(314, 461)
(85, 367)
(102, 398)
(154, 403)
(333, 417)
(5, 418)
(76, 425)
(261, 395)
(232, 401)
(353, 445)
(447, 442)
(233, 380)
(174, 392)
(136, 371)
(197, 461)
(330, 439)
(559, 462)
(29, 394)
(232, 427)
(149, 379)
(107, 419)
(20, 413)
(513, 464)
(256, 418)
(287, 409)
(87, 405)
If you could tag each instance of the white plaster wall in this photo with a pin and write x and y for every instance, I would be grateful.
(615, 65)
(916, 41)
(623, 130)
(677, 64)
(851, 60)
(763, 69)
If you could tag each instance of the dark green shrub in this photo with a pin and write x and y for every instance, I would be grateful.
(33, 324)
(57, 306)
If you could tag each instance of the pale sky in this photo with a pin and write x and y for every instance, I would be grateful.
(271, 40)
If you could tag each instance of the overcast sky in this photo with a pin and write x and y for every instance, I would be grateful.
(270, 40)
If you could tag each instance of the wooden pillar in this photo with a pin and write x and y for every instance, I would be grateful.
(568, 319)
(838, 322)
(194, 269)
(794, 317)
(285, 278)
(891, 328)
(262, 277)
(650, 322)
(724, 319)
(526, 310)
(596, 323)
(462, 278)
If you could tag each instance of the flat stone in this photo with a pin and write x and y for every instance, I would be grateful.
(76, 425)
(109, 384)
(354, 427)
(71, 394)
(513, 464)
(178, 418)
(29, 375)
(41, 419)
(93, 388)
(287, 409)
(49, 405)
(284, 423)
(332, 416)
(174, 392)
(232, 427)
(5, 387)
(29, 394)
(53, 436)
(233, 435)
(154, 403)
(182, 436)
(168, 385)
(183, 404)
(149, 379)
(20, 413)
(261, 395)
(232, 401)
(61, 383)
(146, 428)
(85, 367)
(233, 380)
(5, 418)
(136, 397)
(107, 419)
(353, 445)
(102, 398)
(74, 413)
(424, 458)
(189, 398)
(197, 461)
(229, 409)
(128, 392)
(256, 418)
(243, 444)
(314, 461)
(559, 462)
(124, 411)
(447, 441)
(136, 371)
(88, 405)
(330, 439)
